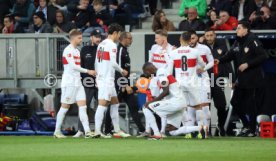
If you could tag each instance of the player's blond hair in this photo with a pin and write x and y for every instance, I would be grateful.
(74, 32)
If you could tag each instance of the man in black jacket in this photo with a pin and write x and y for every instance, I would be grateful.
(218, 49)
(88, 55)
(248, 55)
(125, 91)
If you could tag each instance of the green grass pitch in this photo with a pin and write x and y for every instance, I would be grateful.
(42, 148)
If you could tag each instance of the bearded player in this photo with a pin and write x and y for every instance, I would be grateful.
(72, 90)
(205, 86)
(105, 65)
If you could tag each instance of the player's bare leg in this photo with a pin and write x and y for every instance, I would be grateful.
(152, 123)
(200, 119)
(114, 114)
(60, 118)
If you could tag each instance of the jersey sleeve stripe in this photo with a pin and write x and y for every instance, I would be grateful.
(171, 79)
(204, 57)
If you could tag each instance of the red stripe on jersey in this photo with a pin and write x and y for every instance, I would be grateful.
(190, 63)
(171, 79)
(76, 57)
(77, 63)
(64, 60)
(204, 57)
(159, 61)
(103, 55)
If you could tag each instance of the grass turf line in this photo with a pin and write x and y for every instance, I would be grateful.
(41, 148)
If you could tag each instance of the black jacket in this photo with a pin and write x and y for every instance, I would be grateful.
(219, 49)
(248, 8)
(81, 17)
(247, 50)
(123, 60)
(259, 24)
(88, 55)
(196, 25)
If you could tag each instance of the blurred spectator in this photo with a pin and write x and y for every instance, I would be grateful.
(212, 18)
(102, 17)
(200, 5)
(152, 6)
(5, 5)
(242, 9)
(42, 7)
(59, 4)
(81, 13)
(263, 19)
(219, 5)
(48, 10)
(272, 5)
(123, 10)
(160, 21)
(22, 11)
(9, 26)
(260, 4)
(225, 22)
(40, 24)
(192, 22)
(62, 25)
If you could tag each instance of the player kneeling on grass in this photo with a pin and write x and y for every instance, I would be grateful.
(72, 90)
(170, 104)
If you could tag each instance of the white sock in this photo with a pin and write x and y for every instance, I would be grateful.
(191, 116)
(151, 120)
(60, 117)
(185, 130)
(84, 118)
(199, 117)
(185, 118)
(207, 114)
(114, 114)
(99, 116)
(163, 124)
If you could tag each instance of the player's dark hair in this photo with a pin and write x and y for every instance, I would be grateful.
(192, 32)
(114, 28)
(146, 65)
(161, 32)
(245, 25)
(97, 2)
(224, 11)
(186, 36)
(74, 32)
(209, 29)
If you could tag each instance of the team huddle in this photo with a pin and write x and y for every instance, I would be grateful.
(179, 86)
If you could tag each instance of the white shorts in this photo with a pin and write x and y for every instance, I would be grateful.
(70, 95)
(172, 109)
(106, 90)
(205, 91)
(192, 95)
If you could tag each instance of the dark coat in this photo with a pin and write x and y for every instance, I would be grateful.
(247, 50)
(248, 8)
(196, 25)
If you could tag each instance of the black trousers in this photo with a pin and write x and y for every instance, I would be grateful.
(90, 94)
(132, 104)
(218, 95)
(245, 102)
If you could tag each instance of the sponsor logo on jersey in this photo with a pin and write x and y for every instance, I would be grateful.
(114, 50)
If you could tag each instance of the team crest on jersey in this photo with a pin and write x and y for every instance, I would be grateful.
(246, 49)
(69, 55)
(114, 50)
(219, 51)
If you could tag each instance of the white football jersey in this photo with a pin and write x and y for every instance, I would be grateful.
(158, 56)
(185, 61)
(105, 62)
(161, 76)
(72, 67)
(207, 57)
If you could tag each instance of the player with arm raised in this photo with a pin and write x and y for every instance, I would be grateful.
(185, 60)
(205, 90)
(105, 65)
(72, 90)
